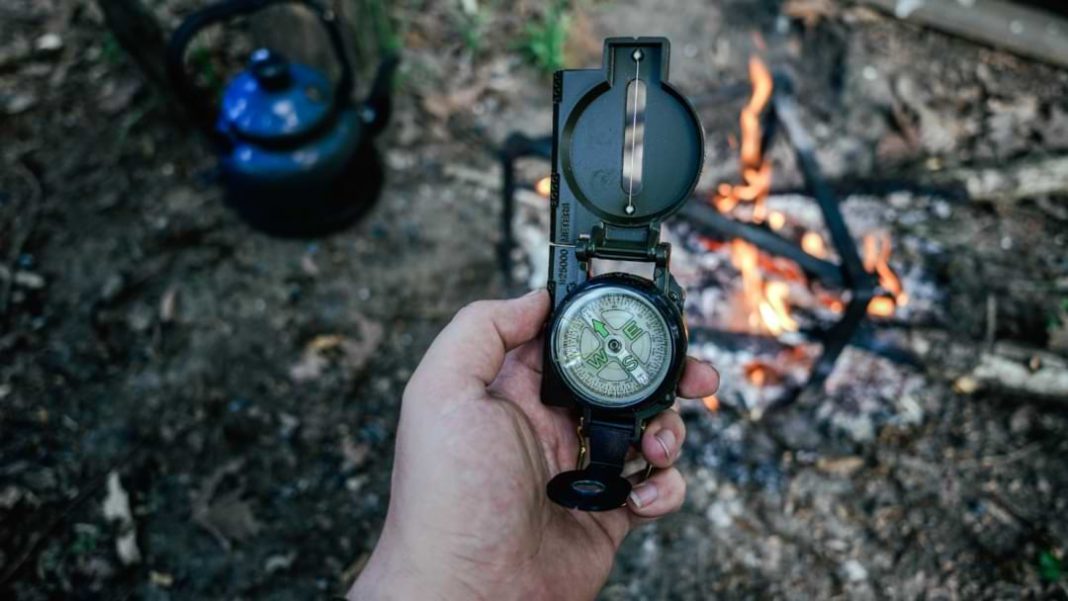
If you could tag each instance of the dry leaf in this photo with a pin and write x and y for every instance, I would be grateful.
(117, 509)
(840, 466)
(227, 517)
(117, 502)
(351, 353)
(126, 547)
(230, 518)
(168, 303)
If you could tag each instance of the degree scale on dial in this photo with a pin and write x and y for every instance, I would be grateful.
(613, 346)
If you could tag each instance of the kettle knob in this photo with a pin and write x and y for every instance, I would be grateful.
(270, 69)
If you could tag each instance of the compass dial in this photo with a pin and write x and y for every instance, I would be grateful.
(613, 346)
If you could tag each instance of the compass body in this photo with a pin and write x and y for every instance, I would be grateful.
(627, 153)
(616, 343)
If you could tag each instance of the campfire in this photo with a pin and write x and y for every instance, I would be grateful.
(776, 290)
(770, 287)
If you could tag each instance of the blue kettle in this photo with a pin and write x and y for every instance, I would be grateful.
(296, 154)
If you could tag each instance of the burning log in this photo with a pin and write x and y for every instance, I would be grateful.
(719, 225)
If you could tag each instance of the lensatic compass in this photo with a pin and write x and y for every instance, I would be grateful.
(627, 153)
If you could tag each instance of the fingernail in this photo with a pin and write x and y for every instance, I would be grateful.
(533, 292)
(667, 441)
(713, 368)
(643, 494)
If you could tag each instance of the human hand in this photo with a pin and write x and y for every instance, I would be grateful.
(468, 515)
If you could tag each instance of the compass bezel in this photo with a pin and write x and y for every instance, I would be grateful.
(664, 394)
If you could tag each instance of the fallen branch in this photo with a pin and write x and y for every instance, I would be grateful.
(1017, 370)
(1019, 29)
(1027, 178)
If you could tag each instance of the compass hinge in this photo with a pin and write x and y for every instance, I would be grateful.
(641, 244)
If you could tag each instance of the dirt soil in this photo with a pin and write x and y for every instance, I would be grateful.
(192, 410)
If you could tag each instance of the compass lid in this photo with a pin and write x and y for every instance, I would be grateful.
(630, 145)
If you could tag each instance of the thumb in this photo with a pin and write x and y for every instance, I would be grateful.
(469, 352)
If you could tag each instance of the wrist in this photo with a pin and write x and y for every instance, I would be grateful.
(394, 572)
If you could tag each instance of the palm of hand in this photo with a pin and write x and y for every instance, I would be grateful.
(468, 514)
(511, 445)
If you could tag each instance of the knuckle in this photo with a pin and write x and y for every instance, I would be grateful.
(678, 490)
(473, 310)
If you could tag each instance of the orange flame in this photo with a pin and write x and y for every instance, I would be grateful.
(774, 310)
(756, 171)
(876, 250)
(765, 302)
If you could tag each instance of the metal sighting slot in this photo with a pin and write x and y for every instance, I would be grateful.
(634, 138)
(634, 134)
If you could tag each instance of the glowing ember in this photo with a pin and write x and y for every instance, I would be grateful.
(882, 306)
(761, 374)
(776, 220)
(711, 402)
(543, 187)
(757, 376)
(756, 171)
(813, 244)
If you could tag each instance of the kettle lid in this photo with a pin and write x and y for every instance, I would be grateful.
(275, 99)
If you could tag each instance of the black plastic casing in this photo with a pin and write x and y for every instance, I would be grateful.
(587, 198)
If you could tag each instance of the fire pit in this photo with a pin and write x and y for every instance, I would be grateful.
(778, 285)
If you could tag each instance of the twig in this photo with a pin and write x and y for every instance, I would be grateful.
(991, 320)
(21, 233)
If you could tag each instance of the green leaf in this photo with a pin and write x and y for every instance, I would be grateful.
(1049, 567)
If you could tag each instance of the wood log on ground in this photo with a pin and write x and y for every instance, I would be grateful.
(1008, 182)
(1026, 31)
(1020, 371)
(1016, 369)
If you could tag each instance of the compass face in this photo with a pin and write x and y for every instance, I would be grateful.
(613, 346)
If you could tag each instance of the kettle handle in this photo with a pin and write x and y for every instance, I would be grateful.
(224, 11)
